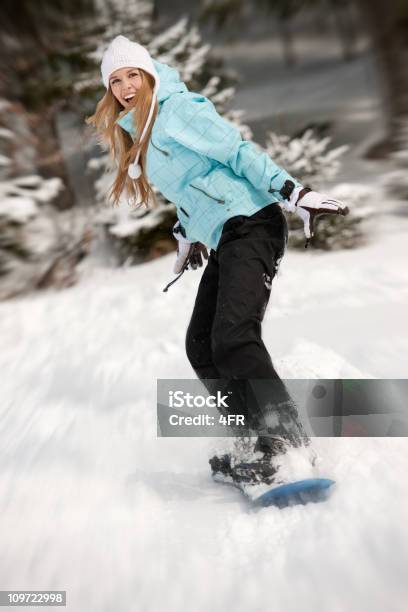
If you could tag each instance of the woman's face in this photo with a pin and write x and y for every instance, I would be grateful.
(124, 83)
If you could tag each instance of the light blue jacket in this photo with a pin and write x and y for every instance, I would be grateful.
(199, 161)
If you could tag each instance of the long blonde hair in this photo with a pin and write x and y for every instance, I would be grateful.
(121, 146)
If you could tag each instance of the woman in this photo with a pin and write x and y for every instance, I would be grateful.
(227, 195)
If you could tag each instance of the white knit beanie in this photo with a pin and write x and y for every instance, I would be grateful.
(123, 53)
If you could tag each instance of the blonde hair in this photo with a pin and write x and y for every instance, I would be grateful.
(121, 146)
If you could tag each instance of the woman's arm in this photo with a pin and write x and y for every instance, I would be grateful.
(192, 120)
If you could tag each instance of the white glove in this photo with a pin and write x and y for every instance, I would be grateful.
(184, 247)
(311, 205)
(188, 253)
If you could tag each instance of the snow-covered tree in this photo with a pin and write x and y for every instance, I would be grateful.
(333, 233)
(310, 160)
(181, 47)
(111, 18)
(306, 157)
(39, 246)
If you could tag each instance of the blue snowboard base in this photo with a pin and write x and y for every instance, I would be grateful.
(310, 490)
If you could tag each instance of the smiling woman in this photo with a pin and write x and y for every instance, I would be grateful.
(226, 192)
(128, 88)
(125, 83)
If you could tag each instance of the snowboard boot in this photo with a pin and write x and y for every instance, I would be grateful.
(274, 463)
(226, 469)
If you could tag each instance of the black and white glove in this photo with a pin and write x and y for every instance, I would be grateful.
(308, 205)
(188, 253)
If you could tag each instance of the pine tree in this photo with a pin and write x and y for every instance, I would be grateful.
(308, 158)
(39, 245)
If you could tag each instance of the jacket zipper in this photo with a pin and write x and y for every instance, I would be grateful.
(208, 195)
(161, 150)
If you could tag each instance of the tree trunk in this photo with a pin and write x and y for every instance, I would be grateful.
(381, 18)
(345, 28)
(287, 39)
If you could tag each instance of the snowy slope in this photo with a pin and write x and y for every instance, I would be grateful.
(93, 503)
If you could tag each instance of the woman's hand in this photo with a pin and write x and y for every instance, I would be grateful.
(188, 253)
(196, 256)
(308, 205)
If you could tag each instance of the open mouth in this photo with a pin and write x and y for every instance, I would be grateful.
(129, 97)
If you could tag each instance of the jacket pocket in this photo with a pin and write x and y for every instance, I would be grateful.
(166, 153)
(184, 212)
(209, 195)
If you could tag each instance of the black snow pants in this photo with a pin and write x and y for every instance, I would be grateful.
(224, 343)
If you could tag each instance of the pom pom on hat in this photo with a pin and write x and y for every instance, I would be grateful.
(134, 171)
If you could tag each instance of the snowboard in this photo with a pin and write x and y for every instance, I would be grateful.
(309, 490)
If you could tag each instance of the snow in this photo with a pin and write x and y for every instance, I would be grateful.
(94, 503)
(30, 187)
(4, 161)
(4, 104)
(32, 181)
(129, 228)
(18, 209)
(306, 157)
(6, 134)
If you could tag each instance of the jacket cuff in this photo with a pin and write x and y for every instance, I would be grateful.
(278, 181)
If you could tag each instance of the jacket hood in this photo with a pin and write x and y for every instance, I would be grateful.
(170, 81)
